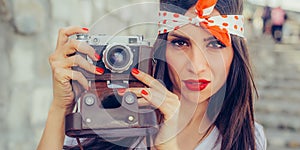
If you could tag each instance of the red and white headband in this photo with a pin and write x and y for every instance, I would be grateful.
(219, 26)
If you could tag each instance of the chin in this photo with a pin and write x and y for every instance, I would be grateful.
(196, 97)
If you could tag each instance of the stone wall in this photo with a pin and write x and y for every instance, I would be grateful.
(28, 30)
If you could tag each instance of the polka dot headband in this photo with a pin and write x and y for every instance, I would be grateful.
(219, 26)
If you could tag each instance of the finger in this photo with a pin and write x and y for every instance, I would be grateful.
(167, 103)
(64, 33)
(83, 63)
(136, 91)
(78, 76)
(143, 102)
(147, 79)
(65, 75)
(82, 47)
(155, 98)
(121, 91)
(78, 60)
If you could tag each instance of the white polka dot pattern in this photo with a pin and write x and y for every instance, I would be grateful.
(169, 21)
(232, 24)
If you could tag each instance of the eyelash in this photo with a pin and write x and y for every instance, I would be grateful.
(179, 43)
(214, 44)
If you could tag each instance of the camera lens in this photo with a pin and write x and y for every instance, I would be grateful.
(118, 58)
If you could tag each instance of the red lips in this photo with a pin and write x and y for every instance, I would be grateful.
(196, 85)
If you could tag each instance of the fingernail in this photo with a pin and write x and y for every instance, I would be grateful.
(98, 57)
(122, 90)
(85, 29)
(144, 92)
(100, 70)
(135, 71)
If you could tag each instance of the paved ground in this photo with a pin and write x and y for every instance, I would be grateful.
(277, 72)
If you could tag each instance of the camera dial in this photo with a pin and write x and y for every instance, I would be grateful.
(117, 57)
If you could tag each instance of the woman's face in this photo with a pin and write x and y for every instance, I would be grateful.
(198, 62)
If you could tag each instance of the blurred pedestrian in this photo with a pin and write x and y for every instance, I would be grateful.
(278, 17)
(266, 17)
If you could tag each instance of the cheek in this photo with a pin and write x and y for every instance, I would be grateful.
(175, 61)
(220, 66)
(228, 60)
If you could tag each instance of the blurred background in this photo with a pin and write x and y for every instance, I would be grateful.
(28, 32)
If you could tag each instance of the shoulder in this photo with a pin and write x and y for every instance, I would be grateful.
(261, 141)
(207, 143)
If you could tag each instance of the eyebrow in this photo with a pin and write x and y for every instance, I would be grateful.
(186, 38)
(210, 38)
(179, 36)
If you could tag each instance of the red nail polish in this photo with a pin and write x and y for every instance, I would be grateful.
(144, 92)
(97, 56)
(100, 70)
(135, 71)
(85, 29)
(121, 90)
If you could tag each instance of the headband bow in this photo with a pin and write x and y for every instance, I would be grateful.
(219, 26)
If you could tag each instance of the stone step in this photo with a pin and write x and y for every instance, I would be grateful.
(285, 73)
(271, 147)
(281, 84)
(279, 121)
(285, 76)
(278, 106)
(284, 58)
(286, 48)
(289, 57)
(288, 67)
(280, 94)
(282, 139)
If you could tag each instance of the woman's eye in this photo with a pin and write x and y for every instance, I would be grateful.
(216, 44)
(179, 43)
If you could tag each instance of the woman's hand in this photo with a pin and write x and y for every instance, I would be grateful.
(168, 104)
(61, 62)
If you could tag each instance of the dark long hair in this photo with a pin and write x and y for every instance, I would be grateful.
(235, 119)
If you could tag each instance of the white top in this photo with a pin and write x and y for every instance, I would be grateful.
(208, 143)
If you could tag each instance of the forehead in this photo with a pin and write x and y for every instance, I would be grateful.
(191, 31)
(192, 13)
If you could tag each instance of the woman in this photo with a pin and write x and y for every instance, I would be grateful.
(207, 93)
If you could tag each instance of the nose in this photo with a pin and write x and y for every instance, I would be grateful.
(197, 62)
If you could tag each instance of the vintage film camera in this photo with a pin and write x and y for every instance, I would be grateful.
(100, 111)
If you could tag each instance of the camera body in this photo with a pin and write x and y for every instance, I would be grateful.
(101, 111)
(119, 55)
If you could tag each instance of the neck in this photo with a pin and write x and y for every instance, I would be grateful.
(194, 125)
(192, 114)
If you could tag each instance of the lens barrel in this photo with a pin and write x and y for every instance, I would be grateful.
(117, 58)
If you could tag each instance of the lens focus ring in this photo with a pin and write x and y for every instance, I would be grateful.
(117, 57)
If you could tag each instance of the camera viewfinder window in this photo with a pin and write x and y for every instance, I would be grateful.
(132, 40)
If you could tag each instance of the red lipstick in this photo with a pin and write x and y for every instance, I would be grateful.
(196, 85)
